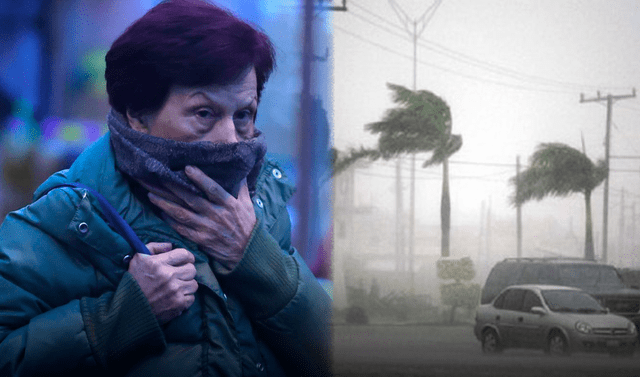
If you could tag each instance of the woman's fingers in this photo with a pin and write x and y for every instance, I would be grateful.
(186, 272)
(159, 247)
(177, 258)
(161, 192)
(214, 192)
(176, 211)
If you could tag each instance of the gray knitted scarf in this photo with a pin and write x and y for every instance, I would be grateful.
(155, 161)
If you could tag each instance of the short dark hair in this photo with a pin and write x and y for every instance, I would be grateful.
(186, 43)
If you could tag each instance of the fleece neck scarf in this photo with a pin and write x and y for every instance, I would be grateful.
(156, 162)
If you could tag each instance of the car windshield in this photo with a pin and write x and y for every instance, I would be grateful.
(589, 277)
(562, 300)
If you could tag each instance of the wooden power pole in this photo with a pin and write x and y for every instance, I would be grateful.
(609, 98)
(518, 208)
(413, 31)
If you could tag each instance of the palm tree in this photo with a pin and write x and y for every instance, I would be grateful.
(557, 169)
(420, 123)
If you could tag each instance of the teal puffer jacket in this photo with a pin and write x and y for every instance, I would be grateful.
(68, 306)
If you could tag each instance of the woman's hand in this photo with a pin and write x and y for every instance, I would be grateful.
(221, 224)
(167, 279)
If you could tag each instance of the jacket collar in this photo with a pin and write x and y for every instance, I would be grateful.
(96, 168)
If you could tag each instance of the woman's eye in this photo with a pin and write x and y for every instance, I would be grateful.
(244, 115)
(204, 113)
(244, 123)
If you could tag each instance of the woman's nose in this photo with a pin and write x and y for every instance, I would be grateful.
(224, 132)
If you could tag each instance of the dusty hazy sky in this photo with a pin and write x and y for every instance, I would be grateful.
(512, 72)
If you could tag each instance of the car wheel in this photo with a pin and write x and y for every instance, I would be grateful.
(490, 342)
(557, 345)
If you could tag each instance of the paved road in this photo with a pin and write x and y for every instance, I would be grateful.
(445, 351)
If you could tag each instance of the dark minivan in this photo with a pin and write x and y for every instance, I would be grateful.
(601, 281)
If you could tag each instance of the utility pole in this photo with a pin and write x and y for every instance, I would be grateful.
(605, 216)
(399, 219)
(305, 201)
(413, 31)
(481, 253)
(633, 220)
(621, 226)
(488, 230)
(518, 208)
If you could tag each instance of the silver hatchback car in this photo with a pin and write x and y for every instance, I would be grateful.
(557, 319)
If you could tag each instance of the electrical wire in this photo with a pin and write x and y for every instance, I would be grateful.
(477, 62)
(457, 73)
(430, 178)
(391, 165)
(470, 60)
(628, 108)
(626, 138)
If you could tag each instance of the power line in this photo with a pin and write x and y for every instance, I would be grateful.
(627, 157)
(456, 55)
(483, 163)
(493, 164)
(624, 171)
(389, 164)
(497, 69)
(470, 60)
(626, 138)
(376, 16)
(336, 27)
(431, 178)
(471, 77)
(629, 108)
(391, 175)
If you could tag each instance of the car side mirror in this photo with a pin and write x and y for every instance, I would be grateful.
(538, 310)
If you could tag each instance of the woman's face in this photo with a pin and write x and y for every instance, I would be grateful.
(216, 113)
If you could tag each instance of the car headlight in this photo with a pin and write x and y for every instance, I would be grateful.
(631, 327)
(583, 327)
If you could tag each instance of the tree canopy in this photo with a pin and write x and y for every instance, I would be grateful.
(420, 123)
(556, 169)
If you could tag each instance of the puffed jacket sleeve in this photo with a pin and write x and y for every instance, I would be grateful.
(281, 295)
(55, 319)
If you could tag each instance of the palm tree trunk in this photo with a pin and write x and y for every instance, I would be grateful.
(588, 238)
(445, 210)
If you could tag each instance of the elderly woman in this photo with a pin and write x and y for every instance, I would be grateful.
(221, 292)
